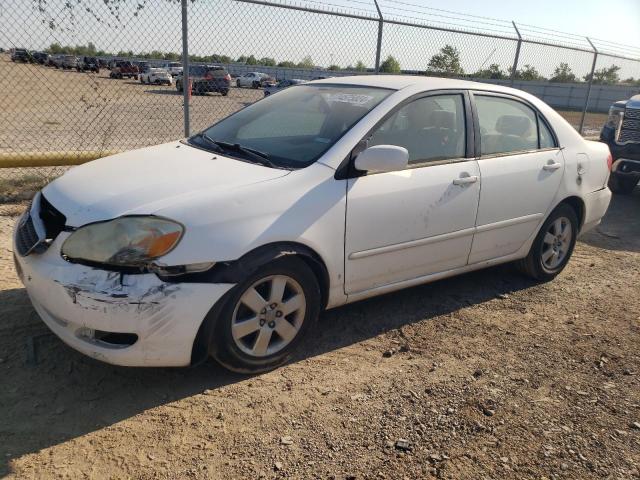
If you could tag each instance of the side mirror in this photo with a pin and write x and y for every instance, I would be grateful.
(382, 158)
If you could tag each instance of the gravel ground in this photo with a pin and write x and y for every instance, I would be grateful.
(483, 376)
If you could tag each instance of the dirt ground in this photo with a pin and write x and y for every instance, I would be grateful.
(486, 376)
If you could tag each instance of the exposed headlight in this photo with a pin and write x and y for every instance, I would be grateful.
(615, 117)
(125, 241)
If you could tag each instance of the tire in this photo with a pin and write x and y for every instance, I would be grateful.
(179, 86)
(238, 83)
(559, 245)
(224, 93)
(256, 84)
(234, 353)
(141, 80)
(622, 185)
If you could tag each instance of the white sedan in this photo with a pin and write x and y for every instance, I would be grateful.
(252, 80)
(232, 242)
(156, 76)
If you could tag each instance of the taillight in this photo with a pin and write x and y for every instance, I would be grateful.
(609, 161)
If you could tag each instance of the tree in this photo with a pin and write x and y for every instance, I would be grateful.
(251, 60)
(390, 65)
(242, 59)
(360, 66)
(563, 74)
(267, 62)
(334, 68)
(494, 71)
(447, 62)
(287, 64)
(307, 62)
(605, 76)
(528, 73)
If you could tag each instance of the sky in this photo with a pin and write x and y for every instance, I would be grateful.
(234, 28)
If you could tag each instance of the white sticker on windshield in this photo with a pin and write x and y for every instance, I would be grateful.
(322, 140)
(352, 98)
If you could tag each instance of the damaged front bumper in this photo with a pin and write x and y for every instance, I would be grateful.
(123, 319)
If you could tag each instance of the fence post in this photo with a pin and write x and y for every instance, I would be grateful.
(593, 69)
(185, 69)
(379, 45)
(517, 57)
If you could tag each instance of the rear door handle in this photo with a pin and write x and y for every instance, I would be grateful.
(552, 166)
(465, 180)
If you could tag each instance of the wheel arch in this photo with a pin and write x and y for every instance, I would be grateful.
(578, 206)
(236, 270)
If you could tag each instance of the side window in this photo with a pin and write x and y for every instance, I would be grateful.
(430, 128)
(505, 125)
(546, 139)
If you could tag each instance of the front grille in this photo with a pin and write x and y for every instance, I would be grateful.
(26, 238)
(630, 128)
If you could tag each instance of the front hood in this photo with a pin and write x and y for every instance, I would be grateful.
(136, 182)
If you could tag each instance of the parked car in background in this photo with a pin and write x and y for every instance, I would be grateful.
(55, 60)
(69, 62)
(174, 68)
(253, 80)
(124, 69)
(207, 78)
(281, 85)
(157, 76)
(142, 65)
(622, 134)
(21, 55)
(88, 64)
(41, 57)
(231, 242)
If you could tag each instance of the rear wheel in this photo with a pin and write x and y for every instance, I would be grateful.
(267, 317)
(553, 246)
(622, 185)
(238, 83)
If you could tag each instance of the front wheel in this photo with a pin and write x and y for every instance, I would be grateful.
(267, 317)
(622, 185)
(553, 246)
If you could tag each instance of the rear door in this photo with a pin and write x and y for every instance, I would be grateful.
(521, 168)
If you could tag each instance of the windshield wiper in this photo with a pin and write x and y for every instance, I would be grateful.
(257, 155)
(210, 141)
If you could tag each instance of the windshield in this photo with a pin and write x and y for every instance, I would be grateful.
(296, 126)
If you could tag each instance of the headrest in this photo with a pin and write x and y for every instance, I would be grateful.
(442, 119)
(518, 125)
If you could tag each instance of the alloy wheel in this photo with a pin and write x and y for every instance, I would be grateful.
(268, 316)
(556, 243)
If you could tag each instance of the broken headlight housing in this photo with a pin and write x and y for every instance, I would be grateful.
(131, 241)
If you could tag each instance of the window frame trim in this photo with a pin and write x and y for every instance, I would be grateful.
(508, 96)
(347, 170)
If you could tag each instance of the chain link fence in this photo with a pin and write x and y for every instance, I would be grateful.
(84, 79)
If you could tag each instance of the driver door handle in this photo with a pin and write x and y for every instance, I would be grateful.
(552, 166)
(465, 180)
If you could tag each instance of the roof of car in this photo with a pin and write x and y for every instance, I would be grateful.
(398, 82)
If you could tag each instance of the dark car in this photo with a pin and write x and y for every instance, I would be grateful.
(207, 78)
(90, 64)
(622, 134)
(124, 69)
(281, 85)
(40, 57)
(21, 55)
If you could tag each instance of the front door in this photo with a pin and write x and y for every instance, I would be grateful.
(407, 224)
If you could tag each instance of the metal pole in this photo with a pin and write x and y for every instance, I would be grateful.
(514, 69)
(185, 69)
(379, 45)
(593, 69)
